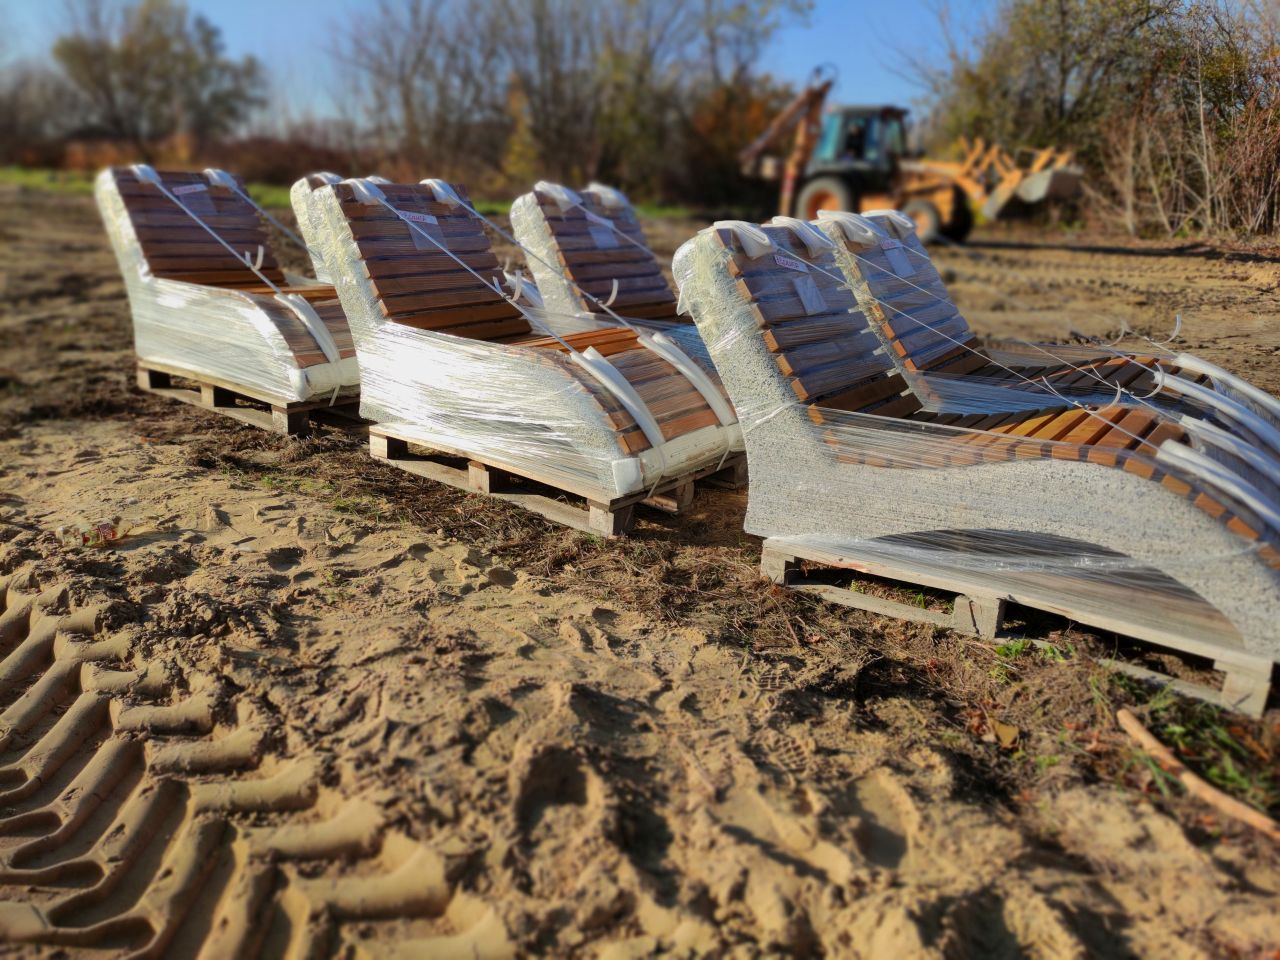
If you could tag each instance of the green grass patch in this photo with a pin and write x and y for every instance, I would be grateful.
(269, 195)
(53, 181)
(265, 194)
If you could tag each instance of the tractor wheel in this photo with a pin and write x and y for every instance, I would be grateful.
(824, 193)
(957, 228)
(926, 218)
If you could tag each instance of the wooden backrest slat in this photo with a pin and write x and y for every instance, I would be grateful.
(416, 278)
(591, 251)
(810, 321)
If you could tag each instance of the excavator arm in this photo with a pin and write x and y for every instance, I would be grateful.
(803, 115)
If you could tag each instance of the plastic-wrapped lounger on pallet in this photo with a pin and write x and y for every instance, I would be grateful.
(899, 290)
(1111, 516)
(451, 364)
(210, 303)
(587, 250)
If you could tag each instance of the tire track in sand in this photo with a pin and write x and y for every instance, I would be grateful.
(125, 799)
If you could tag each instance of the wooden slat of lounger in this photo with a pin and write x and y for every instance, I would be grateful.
(590, 255)
(830, 381)
(168, 216)
(608, 271)
(471, 295)
(864, 394)
(649, 288)
(799, 361)
(964, 359)
(817, 329)
(435, 281)
(218, 278)
(484, 322)
(154, 239)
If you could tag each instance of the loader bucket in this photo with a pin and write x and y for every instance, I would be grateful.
(1062, 183)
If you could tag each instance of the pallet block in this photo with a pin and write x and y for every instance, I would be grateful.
(248, 404)
(602, 515)
(980, 612)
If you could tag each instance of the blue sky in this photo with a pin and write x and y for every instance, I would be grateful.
(865, 40)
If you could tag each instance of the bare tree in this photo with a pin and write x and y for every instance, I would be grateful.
(149, 70)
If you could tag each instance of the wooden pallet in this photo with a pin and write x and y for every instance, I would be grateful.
(980, 610)
(601, 515)
(249, 404)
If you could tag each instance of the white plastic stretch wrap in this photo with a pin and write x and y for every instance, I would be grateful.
(1110, 511)
(539, 410)
(293, 348)
(300, 200)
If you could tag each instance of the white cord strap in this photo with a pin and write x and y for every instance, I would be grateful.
(608, 376)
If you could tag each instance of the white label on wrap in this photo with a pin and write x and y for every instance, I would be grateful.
(189, 188)
(790, 263)
(809, 294)
(603, 237)
(417, 217)
(898, 261)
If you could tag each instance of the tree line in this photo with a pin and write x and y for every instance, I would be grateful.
(1172, 106)
(655, 95)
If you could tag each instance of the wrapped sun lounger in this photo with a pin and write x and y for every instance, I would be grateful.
(589, 258)
(449, 362)
(210, 303)
(899, 290)
(1114, 516)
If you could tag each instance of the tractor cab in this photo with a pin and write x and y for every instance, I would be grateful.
(870, 140)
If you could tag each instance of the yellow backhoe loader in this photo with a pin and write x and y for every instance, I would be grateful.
(856, 158)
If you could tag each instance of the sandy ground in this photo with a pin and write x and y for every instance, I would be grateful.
(313, 706)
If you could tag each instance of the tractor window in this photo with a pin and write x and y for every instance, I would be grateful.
(856, 140)
(829, 139)
(895, 137)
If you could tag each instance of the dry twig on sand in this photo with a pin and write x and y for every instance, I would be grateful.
(1195, 785)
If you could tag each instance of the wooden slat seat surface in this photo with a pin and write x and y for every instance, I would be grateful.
(854, 375)
(590, 262)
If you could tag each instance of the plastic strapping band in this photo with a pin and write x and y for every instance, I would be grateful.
(1215, 475)
(609, 377)
(1215, 373)
(311, 320)
(1214, 436)
(754, 240)
(562, 196)
(611, 197)
(899, 219)
(520, 287)
(669, 351)
(814, 240)
(1260, 428)
(856, 228)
